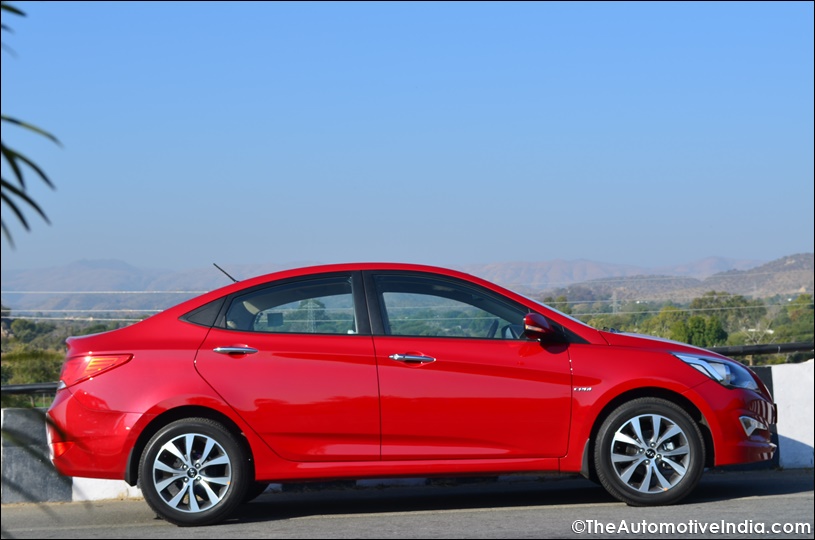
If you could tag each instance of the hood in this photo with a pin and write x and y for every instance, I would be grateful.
(625, 339)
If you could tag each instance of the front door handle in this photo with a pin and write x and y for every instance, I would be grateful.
(412, 358)
(235, 350)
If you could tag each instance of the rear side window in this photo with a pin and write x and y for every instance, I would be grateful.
(315, 306)
(206, 314)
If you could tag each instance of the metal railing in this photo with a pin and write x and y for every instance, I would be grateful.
(25, 389)
(768, 348)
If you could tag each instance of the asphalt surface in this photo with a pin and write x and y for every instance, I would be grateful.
(731, 504)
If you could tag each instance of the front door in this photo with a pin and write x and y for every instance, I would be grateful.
(457, 380)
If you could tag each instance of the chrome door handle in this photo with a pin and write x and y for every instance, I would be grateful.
(412, 358)
(235, 350)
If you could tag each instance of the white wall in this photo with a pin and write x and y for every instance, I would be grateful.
(793, 394)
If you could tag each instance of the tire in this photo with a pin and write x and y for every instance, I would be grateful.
(649, 452)
(194, 472)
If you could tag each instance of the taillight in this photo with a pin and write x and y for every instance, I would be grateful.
(79, 368)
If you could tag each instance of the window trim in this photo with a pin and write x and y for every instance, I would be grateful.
(357, 294)
(376, 302)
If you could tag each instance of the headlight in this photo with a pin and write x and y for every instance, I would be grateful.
(729, 374)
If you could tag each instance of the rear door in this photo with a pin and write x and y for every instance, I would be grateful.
(296, 361)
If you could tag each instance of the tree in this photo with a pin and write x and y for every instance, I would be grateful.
(561, 303)
(737, 313)
(13, 193)
(795, 324)
(664, 322)
(26, 331)
(699, 331)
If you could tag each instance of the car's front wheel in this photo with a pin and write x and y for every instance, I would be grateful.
(194, 472)
(649, 451)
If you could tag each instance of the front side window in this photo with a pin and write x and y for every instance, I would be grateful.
(414, 305)
(314, 306)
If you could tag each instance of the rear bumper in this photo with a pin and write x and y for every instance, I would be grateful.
(99, 450)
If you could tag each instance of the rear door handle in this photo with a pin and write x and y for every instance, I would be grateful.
(235, 350)
(412, 358)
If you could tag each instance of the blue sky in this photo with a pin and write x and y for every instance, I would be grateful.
(440, 133)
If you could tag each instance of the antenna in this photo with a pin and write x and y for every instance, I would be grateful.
(225, 272)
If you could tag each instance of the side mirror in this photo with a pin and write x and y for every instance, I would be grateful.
(537, 327)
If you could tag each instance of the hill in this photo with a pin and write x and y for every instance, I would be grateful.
(788, 276)
(95, 287)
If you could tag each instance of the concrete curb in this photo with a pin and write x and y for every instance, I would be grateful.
(27, 474)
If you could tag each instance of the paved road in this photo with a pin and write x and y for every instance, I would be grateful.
(555, 507)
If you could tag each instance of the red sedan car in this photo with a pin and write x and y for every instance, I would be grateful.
(391, 370)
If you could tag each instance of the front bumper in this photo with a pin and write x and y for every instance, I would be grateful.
(725, 408)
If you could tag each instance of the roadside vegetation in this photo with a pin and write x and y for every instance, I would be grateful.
(33, 351)
(713, 320)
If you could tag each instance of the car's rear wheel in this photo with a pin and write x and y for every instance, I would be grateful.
(194, 472)
(649, 451)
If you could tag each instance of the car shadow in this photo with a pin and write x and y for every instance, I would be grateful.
(731, 483)
(435, 495)
(456, 494)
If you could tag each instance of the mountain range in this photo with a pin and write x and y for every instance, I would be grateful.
(98, 285)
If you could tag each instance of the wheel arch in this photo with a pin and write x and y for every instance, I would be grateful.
(587, 468)
(178, 413)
